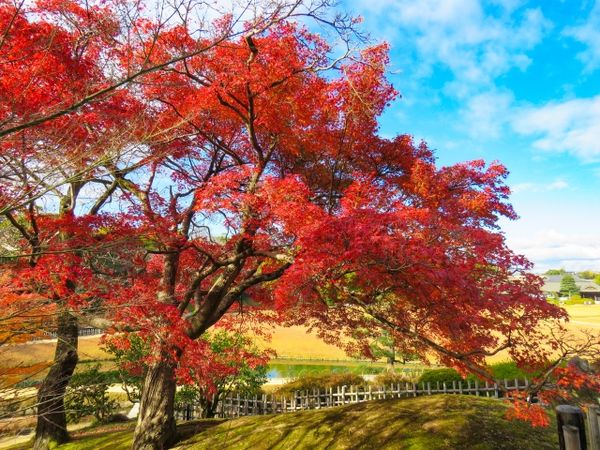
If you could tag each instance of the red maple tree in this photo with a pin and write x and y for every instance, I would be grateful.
(53, 182)
(247, 165)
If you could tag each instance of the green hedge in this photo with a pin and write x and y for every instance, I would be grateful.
(508, 370)
(388, 378)
(576, 300)
(440, 375)
(82, 376)
(500, 371)
(310, 382)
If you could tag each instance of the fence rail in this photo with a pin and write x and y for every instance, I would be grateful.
(236, 405)
(84, 331)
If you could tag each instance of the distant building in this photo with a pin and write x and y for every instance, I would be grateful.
(587, 288)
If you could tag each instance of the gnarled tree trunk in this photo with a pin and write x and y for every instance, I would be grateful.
(156, 428)
(51, 417)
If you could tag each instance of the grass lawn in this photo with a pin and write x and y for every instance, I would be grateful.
(583, 319)
(292, 342)
(423, 423)
(584, 316)
(289, 343)
(36, 352)
(296, 342)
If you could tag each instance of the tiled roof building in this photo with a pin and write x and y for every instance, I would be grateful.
(587, 288)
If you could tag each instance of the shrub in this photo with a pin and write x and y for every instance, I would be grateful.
(576, 300)
(236, 366)
(440, 375)
(104, 376)
(508, 370)
(505, 370)
(310, 382)
(130, 352)
(87, 395)
(389, 377)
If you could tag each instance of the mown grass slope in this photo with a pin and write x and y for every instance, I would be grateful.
(437, 422)
(423, 423)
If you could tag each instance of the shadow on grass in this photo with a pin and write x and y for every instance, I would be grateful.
(437, 422)
(119, 436)
(423, 423)
(189, 429)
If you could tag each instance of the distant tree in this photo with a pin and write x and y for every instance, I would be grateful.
(129, 351)
(568, 286)
(587, 275)
(87, 395)
(597, 279)
(222, 363)
(386, 347)
(236, 365)
(556, 272)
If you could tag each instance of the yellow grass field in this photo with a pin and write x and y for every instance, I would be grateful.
(584, 319)
(293, 343)
(584, 316)
(37, 352)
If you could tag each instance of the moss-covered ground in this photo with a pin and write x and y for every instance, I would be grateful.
(424, 423)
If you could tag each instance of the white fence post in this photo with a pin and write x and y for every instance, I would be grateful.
(594, 431)
(571, 436)
(571, 428)
(237, 405)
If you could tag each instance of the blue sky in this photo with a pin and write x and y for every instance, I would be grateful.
(510, 80)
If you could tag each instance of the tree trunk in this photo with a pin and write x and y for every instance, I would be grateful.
(51, 418)
(155, 429)
(209, 409)
(391, 360)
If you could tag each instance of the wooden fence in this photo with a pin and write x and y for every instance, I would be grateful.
(236, 405)
(84, 331)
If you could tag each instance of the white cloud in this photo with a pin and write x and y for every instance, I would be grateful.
(474, 43)
(468, 44)
(571, 265)
(485, 114)
(549, 248)
(588, 34)
(556, 185)
(571, 126)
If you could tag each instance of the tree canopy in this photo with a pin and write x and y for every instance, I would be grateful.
(568, 286)
(166, 175)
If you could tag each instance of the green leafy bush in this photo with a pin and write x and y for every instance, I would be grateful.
(388, 378)
(106, 376)
(129, 351)
(238, 366)
(310, 382)
(508, 370)
(87, 395)
(576, 300)
(440, 375)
